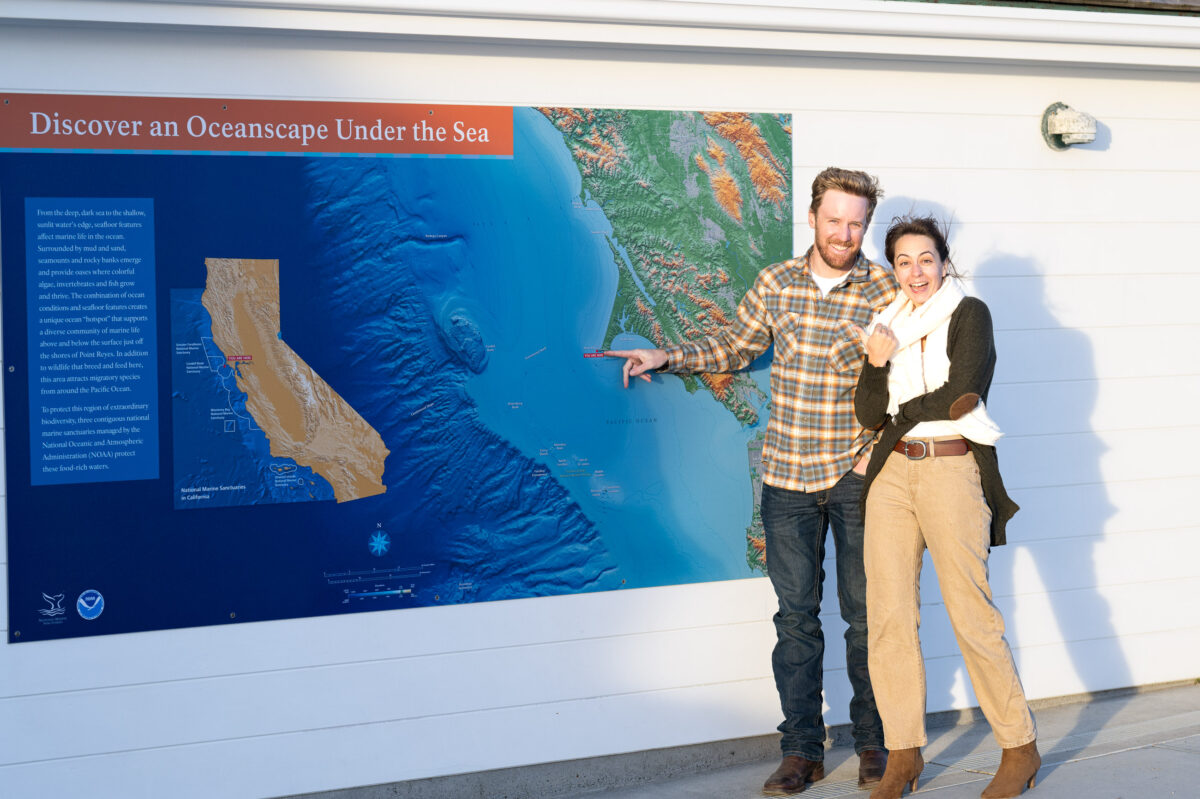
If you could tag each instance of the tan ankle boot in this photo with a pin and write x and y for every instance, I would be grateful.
(1018, 771)
(904, 766)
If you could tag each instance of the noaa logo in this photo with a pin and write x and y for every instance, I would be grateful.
(90, 604)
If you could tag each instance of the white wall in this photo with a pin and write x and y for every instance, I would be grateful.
(1082, 255)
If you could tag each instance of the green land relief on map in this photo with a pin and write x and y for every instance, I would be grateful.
(699, 202)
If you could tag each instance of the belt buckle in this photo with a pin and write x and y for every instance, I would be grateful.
(924, 450)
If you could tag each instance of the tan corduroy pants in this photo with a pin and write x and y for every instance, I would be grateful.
(935, 503)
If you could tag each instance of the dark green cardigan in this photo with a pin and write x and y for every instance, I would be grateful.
(972, 354)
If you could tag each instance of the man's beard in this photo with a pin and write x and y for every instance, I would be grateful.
(836, 260)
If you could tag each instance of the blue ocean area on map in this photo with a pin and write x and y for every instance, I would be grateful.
(465, 334)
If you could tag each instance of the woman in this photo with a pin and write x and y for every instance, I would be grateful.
(933, 482)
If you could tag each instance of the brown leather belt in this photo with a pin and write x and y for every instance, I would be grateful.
(919, 448)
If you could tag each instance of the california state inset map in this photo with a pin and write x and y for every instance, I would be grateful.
(380, 383)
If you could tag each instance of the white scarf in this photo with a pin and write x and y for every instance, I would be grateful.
(914, 372)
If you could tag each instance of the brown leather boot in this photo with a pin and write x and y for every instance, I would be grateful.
(1018, 771)
(792, 776)
(904, 766)
(871, 764)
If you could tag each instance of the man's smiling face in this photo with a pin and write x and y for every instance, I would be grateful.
(839, 225)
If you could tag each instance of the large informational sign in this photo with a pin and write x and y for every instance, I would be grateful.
(276, 359)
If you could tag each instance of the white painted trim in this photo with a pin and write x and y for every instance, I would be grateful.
(854, 28)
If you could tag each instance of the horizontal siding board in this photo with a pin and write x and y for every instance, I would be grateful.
(535, 75)
(1060, 354)
(382, 70)
(1095, 508)
(1061, 670)
(121, 660)
(1003, 90)
(382, 691)
(376, 754)
(1055, 676)
(1056, 200)
(1061, 198)
(1046, 599)
(1087, 406)
(1073, 458)
(1052, 204)
(991, 141)
(1055, 669)
(396, 691)
(368, 754)
(1114, 611)
(1053, 565)
(1076, 563)
(1082, 614)
(987, 249)
(1090, 301)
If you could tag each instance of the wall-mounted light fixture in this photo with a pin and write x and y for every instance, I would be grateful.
(1063, 126)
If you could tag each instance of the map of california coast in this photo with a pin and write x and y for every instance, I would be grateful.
(302, 416)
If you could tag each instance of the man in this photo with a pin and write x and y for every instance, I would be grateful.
(813, 457)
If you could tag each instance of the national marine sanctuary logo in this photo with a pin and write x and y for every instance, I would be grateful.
(53, 613)
(90, 604)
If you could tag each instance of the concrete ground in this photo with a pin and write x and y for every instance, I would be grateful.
(1143, 745)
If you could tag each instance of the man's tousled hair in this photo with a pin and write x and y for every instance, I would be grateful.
(859, 184)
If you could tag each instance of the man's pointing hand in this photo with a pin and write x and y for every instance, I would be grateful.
(638, 363)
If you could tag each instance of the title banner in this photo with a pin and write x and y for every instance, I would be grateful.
(98, 122)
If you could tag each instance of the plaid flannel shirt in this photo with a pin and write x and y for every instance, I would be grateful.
(813, 438)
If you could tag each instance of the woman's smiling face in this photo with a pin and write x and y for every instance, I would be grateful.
(919, 269)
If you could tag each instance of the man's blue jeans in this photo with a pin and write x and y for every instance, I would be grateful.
(795, 523)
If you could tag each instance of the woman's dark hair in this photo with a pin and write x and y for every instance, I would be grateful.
(918, 226)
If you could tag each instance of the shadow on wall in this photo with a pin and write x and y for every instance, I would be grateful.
(1103, 139)
(1043, 396)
